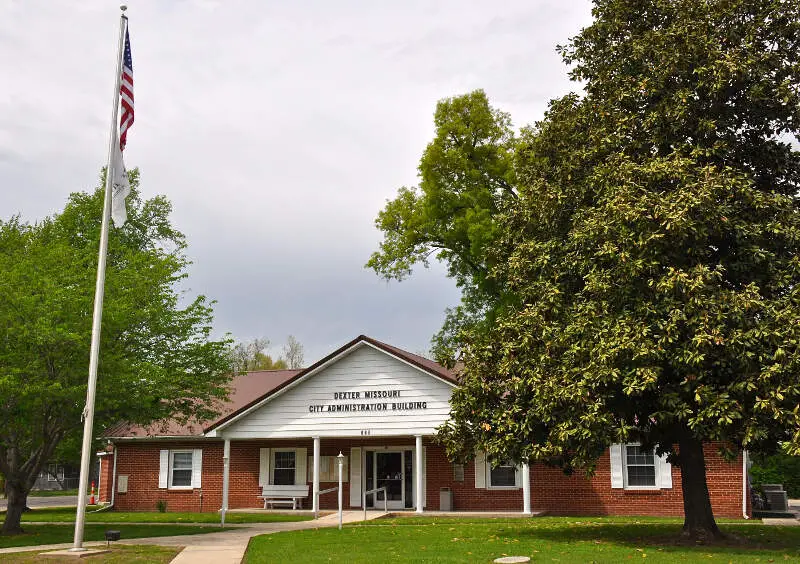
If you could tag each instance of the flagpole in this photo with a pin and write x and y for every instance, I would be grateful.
(94, 351)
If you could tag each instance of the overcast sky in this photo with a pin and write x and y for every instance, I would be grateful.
(277, 129)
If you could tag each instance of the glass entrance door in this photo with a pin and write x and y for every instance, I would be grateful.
(387, 469)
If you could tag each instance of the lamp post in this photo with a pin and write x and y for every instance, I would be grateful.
(340, 459)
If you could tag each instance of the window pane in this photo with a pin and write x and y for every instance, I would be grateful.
(503, 476)
(182, 460)
(641, 476)
(640, 465)
(636, 455)
(181, 477)
(283, 473)
(283, 477)
(284, 459)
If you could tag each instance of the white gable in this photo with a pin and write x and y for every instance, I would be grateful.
(365, 393)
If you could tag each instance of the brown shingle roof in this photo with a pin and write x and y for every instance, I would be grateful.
(243, 389)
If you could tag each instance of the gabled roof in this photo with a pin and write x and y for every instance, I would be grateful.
(426, 365)
(243, 389)
(252, 388)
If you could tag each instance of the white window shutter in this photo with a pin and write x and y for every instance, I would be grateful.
(263, 467)
(197, 467)
(300, 461)
(355, 477)
(480, 470)
(163, 469)
(664, 473)
(518, 476)
(617, 480)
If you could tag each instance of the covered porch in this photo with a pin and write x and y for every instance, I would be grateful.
(377, 473)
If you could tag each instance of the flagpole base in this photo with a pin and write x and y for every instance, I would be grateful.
(75, 553)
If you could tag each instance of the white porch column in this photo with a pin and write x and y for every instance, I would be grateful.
(526, 489)
(418, 472)
(226, 473)
(316, 477)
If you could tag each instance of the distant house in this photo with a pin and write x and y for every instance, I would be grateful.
(278, 439)
(57, 476)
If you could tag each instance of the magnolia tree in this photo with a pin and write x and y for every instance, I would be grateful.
(644, 283)
(157, 359)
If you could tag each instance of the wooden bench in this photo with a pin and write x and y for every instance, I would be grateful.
(284, 495)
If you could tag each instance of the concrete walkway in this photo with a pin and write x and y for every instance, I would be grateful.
(229, 547)
(226, 546)
(794, 507)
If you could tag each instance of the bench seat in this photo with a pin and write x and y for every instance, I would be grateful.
(284, 495)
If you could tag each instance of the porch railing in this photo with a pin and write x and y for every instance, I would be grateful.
(329, 490)
(375, 491)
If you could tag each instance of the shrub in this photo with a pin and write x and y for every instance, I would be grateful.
(777, 469)
(161, 505)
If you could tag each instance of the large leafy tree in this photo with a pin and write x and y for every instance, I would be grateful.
(466, 177)
(157, 358)
(648, 275)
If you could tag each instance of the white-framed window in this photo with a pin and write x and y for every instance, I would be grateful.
(640, 467)
(503, 475)
(180, 469)
(55, 473)
(284, 467)
(494, 476)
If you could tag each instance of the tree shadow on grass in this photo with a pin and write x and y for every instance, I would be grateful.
(740, 539)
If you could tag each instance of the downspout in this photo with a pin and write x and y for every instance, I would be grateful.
(114, 478)
(744, 485)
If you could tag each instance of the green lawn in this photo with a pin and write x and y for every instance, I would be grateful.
(53, 533)
(120, 554)
(52, 493)
(544, 539)
(67, 515)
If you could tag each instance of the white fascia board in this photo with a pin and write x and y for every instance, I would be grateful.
(436, 376)
(160, 438)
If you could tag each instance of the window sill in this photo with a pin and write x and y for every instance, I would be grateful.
(501, 488)
(180, 488)
(642, 491)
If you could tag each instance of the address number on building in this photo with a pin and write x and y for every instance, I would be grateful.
(366, 432)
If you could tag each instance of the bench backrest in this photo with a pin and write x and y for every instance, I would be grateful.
(284, 491)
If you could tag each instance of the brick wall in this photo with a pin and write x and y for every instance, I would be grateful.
(551, 490)
(106, 478)
(140, 462)
(576, 495)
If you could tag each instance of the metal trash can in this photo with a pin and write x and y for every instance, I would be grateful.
(445, 499)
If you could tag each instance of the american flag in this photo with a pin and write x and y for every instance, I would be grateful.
(126, 92)
(121, 186)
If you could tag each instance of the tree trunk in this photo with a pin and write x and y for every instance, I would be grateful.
(699, 523)
(17, 500)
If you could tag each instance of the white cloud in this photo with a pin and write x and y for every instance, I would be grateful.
(277, 129)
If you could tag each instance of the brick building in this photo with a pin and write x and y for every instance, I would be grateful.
(279, 437)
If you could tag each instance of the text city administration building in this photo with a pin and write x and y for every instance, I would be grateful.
(380, 407)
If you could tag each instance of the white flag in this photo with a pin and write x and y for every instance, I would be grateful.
(120, 188)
